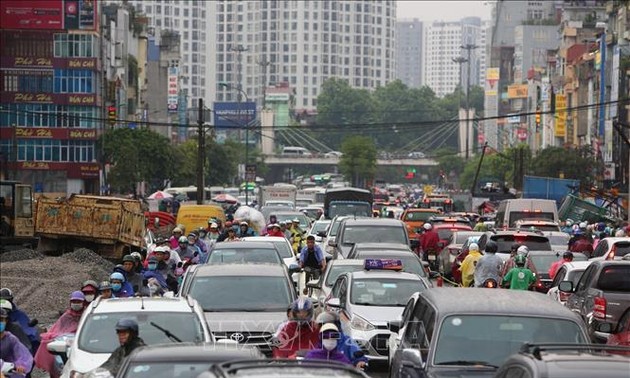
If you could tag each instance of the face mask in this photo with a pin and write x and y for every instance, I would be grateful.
(76, 306)
(329, 344)
(116, 286)
(89, 297)
(152, 266)
(214, 235)
(2, 326)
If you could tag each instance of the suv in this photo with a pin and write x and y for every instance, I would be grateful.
(161, 320)
(562, 360)
(242, 302)
(367, 230)
(611, 248)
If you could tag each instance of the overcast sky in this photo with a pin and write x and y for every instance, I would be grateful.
(446, 10)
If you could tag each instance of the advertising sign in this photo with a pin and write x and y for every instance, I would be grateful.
(492, 81)
(561, 116)
(230, 115)
(517, 91)
(614, 87)
(74, 170)
(47, 133)
(57, 98)
(80, 14)
(172, 89)
(49, 14)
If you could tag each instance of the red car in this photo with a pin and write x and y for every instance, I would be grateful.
(621, 337)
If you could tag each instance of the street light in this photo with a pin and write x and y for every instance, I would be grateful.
(241, 91)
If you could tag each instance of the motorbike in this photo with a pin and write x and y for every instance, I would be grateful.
(490, 283)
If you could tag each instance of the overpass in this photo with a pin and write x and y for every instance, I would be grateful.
(279, 160)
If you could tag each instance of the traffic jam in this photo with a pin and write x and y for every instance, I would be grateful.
(340, 281)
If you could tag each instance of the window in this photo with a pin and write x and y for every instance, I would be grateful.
(75, 46)
(73, 81)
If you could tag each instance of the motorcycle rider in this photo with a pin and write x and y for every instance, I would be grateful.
(18, 316)
(297, 235)
(581, 243)
(15, 328)
(468, 265)
(89, 289)
(105, 290)
(489, 265)
(345, 344)
(152, 272)
(428, 241)
(174, 239)
(519, 277)
(312, 260)
(12, 350)
(118, 290)
(275, 230)
(511, 262)
(553, 269)
(134, 279)
(244, 230)
(129, 338)
(301, 333)
(329, 350)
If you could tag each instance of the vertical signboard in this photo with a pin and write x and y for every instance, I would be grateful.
(561, 116)
(492, 81)
(172, 89)
(614, 85)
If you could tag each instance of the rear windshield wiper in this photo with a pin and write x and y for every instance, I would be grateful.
(167, 333)
(468, 363)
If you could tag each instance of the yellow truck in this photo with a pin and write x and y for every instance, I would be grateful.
(16, 216)
(109, 226)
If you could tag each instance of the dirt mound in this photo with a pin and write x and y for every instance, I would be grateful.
(42, 285)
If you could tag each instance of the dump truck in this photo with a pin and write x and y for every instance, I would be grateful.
(579, 210)
(17, 228)
(110, 226)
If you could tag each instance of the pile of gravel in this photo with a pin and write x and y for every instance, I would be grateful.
(19, 255)
(42, 285)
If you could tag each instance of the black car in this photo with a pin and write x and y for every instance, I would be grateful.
(565, 360)
(185, 360)
(283, 369)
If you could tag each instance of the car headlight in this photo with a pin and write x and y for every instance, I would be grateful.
(361, 324)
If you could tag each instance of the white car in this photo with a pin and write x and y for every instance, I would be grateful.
(333, 154)
(612, 248)
(569, 271)
(161, 320)
(282, 245)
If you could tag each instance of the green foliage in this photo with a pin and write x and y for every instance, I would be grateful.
(358, 163)
(449, 161)
(573, 163)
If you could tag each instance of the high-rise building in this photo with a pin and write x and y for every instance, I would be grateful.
(409, 59)
(302, 43)
(192, 21)
(444, 41)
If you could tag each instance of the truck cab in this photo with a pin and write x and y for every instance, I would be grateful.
(16, 214)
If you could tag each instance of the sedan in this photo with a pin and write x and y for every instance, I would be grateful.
(245, 253)
(569, 271)
(321, 287)
(542, 261)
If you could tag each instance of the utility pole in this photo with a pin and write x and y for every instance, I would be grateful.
(201, 148)
(264, 64)
(468, 47)
(239, 49)
(461, 60)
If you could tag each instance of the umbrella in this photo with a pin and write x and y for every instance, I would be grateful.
(225, 198)
(160, 195)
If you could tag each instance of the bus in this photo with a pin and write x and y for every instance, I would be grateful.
(439, 201)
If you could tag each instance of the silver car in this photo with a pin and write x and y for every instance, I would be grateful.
(321, 288)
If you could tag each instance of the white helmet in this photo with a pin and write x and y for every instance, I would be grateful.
(473, 247)
(583, 225)
(522, 250)
(427, 226)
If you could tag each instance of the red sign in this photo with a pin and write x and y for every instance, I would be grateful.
(73, 170)
(76, 63)
(56, 98)
(521, 134)
(47, 133)
(26, 62)
(40, 14)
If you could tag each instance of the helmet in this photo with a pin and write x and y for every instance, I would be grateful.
(6, 305)
(117, 276)
(243, 223)
(6, 293)
(177, 229)
(182, 239)
(567, 255)
(473, 247)
(137, 256)
(303, 304)
(492, 246)
(327, 317)
(583, 225)
(127, 324)
(128, 258)
(89, 283)
(520, 260)
(77, 296)
(104, 285)
(601, 226)
(296, 220)
(427, 226)
(522, 250)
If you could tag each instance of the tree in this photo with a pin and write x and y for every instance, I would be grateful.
(449, 162)
(572, 163)
(358, 162)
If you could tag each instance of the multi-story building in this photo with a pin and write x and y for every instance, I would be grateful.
(409, 59)
(302, 43)
(50, 95)
(444, 42)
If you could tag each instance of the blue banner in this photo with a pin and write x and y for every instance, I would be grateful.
(233, 115)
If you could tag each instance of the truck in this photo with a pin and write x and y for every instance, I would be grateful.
(579, 210)
(17, 228)
(347, 201)
(278, 195)
(548, 188)
(110, 226)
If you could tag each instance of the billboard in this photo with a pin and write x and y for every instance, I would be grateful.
(517, 91)
(561, 116)
(230, 115)
(49, 14)
(172, 98)
(492, 81)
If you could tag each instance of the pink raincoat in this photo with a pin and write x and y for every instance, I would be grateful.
(66, 324)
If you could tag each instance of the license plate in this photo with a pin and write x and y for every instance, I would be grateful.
(432, 257)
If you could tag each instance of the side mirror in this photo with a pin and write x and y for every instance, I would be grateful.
(313, 284)
(394, 325)
(411, 358)
(333, 302)
(434, 274)
(332, 243)
(414, 244)
(604, 328)
(566, 286)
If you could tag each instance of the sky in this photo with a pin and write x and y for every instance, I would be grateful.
(446, 10)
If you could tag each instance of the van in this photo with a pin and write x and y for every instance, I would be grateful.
(511, 211)
(296, 151)
(195, 216)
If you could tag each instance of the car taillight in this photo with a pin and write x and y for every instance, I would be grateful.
(599, 308)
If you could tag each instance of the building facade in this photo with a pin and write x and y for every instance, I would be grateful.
(50, 96)
(409, 58)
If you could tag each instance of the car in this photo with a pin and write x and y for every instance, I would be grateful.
(182, 360)
(282, 216)
(534, 241)
(454, 247)
(538, 224)
(416, 155)
(241, 302)
(569, 271)
(331, 233)
(411, 262)
(245, 252)
(368, 230)
(446, 230)
(614, 248)
(283, 369)
(435, 220)
(621, 334)
(333, 154)
(321, 287)
(560, 360)
(160, 320)
(318, 229)
(311, 211)
(368, 299)
(282, 245)
(472, 331)
(414, 218)
(542, 261)
(559, 240)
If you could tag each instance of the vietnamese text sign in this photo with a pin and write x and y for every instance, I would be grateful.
(561, 116)
(172, 89)
(517, 91)
(492, 81)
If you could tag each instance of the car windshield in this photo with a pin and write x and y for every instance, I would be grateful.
(355, 209)
(419, 216)
(383, 291)
(337, 269)
(374, 234)
(534, 243)
(166, 369)
(543, 262)
(98, 333)
(319, 227)
(516, 216)
(460, 337)
(410, 263)
(245, 255)
(311, 213)
(236, 293)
